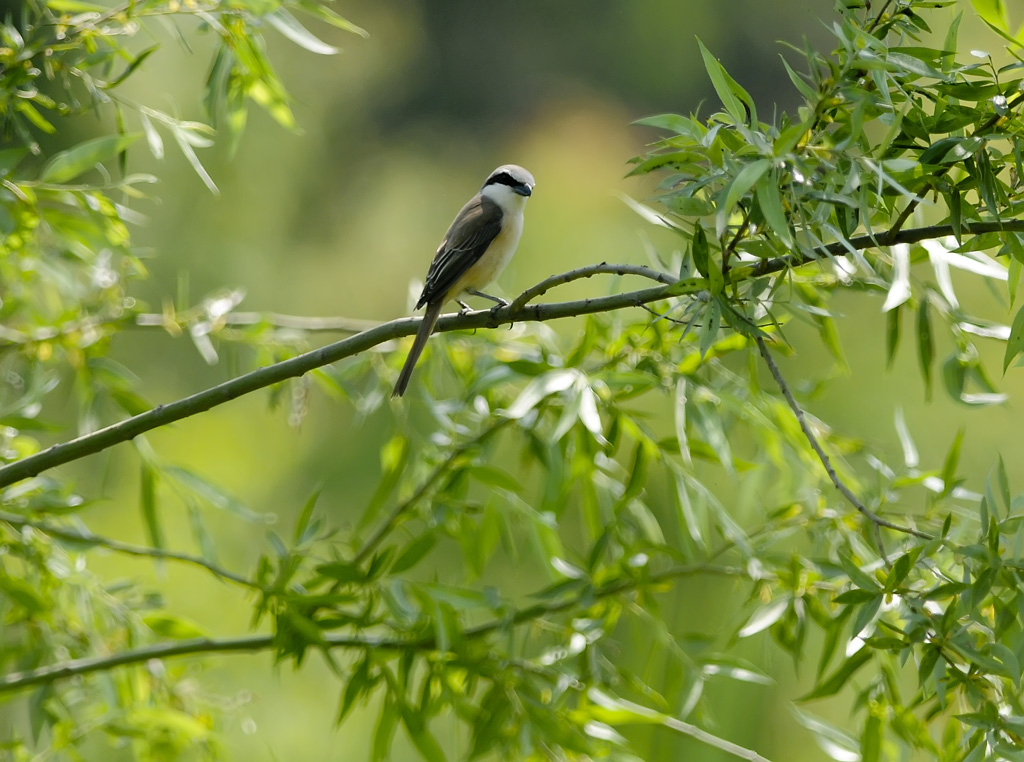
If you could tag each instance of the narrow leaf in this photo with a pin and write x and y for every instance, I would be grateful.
(148, 503)
(745, 180)
(720, 81)
(289, 26)
(1014, 344)
(835, 682)
(899, 291)
(770, 201)
(67, 165)
(925, 346)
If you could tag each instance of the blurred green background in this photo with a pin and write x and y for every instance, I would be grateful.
(343, 219)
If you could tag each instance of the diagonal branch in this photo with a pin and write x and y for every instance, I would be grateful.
(256, 643)
(838, 483)
(128, 429)
(247, 383)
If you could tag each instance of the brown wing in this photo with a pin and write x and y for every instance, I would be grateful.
(467, 239)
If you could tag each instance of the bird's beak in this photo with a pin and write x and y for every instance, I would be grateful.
(523, 190)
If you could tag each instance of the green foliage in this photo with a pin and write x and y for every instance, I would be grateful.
(528, 528)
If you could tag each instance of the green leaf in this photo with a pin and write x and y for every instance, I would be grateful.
(765, 617)
(24, 594)
(1015, 342)
(709, 333)
(185, 140)
(384, 733)
(75, 6)
(892, 334)
(637, 474)
(671, 122)
(724, 86)
(871, 738)
(837, 744)
(925, 346)
(211, 493)
(10, 158)
(949, 466)
(324, 13)
(395, 457)
(857, 576)
(422, 739)
(304, 518)
(414, 552)
(992, 12)
(838, 679)
(67, 165)
(359, 684)
(136, 62)
(543, 386)
(770, 201)
(147, 501)
(901, 569)
(745, 179)
(171, 626)
(342, 572)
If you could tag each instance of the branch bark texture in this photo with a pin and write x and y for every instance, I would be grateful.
(518, 311)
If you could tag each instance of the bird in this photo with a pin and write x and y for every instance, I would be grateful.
(479, 243)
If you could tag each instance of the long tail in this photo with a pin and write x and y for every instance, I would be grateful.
(426, 328)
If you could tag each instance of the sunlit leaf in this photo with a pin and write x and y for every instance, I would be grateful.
(764, 617)
(67, 165)
(1014, 344)
(727, 89)
(171, 626)
(289, 26)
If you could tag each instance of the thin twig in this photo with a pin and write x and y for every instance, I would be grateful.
(820, 452)
(273, 319)
(586, 272)
(660, 316)
(878, 19)
(85, 536)
(256, 643)
(400, 509)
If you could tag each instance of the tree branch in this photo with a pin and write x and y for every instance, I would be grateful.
(274, 319)
(85, 536)
(257, 643)
(247, 383)
(838, 483)
(518, 311)
(862, 242)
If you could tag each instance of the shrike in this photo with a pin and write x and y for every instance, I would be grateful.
(474, 251)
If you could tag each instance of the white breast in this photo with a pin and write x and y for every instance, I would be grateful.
(500, 252)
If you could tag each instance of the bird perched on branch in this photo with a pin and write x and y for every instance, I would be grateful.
(474, 251)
